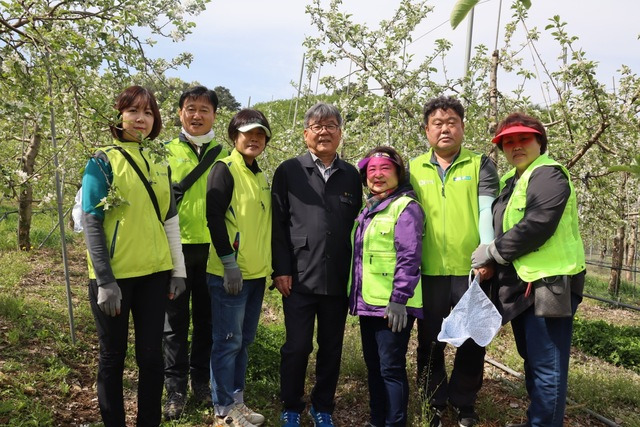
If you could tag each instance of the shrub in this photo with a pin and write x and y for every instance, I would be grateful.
(619, 345)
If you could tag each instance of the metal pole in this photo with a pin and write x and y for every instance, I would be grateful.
(295, 110)
(635, 255)
(467, 57)
(59, 200)
(495, 47)
(318, 80)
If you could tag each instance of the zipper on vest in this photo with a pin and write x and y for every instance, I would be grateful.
(112, 250)
(236, 244)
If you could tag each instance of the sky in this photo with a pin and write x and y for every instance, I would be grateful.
(254, 47)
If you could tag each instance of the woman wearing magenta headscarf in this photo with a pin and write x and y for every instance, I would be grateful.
(537, 247)
(384, 288)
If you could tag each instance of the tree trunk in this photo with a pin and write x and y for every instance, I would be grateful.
(617, 255)
(25, 197)
(603, 250)
(631, 249)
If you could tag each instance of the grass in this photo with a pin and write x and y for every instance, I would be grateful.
(597, 284)
(46, 380)
(42, 223)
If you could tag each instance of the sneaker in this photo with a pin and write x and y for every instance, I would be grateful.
(238, 419)
(222, 421)
(201, 393)
(251, 416)
(321, 419)
(174, 405)
(436, 416)
(467, 417)
(518, 425)
(290, 419)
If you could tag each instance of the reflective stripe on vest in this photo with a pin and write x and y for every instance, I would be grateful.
(563, 253)
(451, 210)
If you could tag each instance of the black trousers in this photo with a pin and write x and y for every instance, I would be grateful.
(178, 364)
(145, 298)
(439, 295)
(300, 313)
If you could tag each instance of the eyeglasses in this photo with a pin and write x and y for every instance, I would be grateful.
(317, 128)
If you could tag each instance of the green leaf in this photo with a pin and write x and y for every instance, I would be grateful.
(460, 11)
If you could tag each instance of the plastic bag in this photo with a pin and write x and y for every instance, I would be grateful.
(473, 317)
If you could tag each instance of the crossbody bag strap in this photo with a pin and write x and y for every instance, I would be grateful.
(207, 160)
(145, 181)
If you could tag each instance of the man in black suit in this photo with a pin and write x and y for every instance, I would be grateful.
(316, 197)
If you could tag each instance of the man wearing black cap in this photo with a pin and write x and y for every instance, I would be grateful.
(456, 188)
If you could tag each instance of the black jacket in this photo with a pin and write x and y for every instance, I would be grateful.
(547, 195)
(312, 222)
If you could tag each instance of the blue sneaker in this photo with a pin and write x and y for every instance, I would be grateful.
(290, 419)
(321, 419)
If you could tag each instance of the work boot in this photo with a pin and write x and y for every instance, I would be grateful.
(174, 405)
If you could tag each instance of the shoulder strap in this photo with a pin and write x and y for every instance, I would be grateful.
(207, 160)
(144, 180)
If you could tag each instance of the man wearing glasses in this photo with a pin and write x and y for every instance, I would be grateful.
(316, 197)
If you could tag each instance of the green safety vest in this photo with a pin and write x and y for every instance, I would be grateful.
(451, 211)
(248, 221)
(379, 256)
(192, 209)
(136, 240)
(563, 253)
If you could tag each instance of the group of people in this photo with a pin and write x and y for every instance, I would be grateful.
(194, 242)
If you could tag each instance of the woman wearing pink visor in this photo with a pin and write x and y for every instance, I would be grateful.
(538, 248)
(384, 286)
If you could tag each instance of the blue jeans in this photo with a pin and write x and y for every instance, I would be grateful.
(385, 356)
(234, 324)
(545, 344)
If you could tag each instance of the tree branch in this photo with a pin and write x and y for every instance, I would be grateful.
(594, 139)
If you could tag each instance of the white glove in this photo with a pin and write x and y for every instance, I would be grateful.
(109, 297)
(176, 287)
(397, 315)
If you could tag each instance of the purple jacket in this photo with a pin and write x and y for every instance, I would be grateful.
(408, 242)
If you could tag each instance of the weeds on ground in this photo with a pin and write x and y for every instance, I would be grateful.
(45, 380)
(605, 389)
(43, 230)
(598, 285)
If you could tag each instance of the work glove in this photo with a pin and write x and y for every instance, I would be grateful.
(109, 297)
(232, 275)
(176, 287)
(397, 315)
(481, 256)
